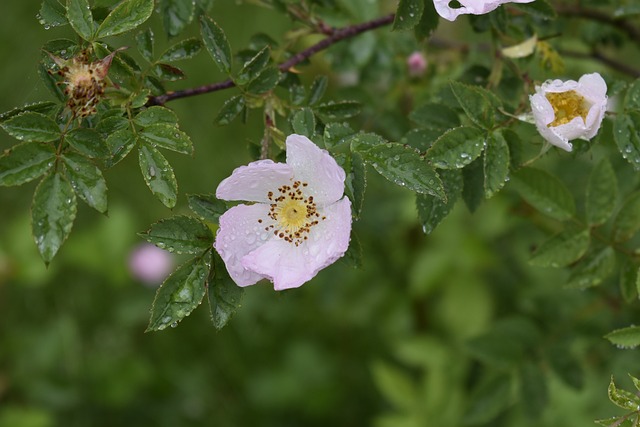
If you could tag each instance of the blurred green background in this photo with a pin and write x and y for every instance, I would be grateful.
(385, 345)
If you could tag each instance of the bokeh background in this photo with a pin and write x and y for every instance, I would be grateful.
(385, 345)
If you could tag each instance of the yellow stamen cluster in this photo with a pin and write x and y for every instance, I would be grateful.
(567, 106)
(293, 212)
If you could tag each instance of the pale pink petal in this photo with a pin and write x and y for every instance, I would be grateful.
(240, 233)
(317, 168)
(289, 266)
(557, 86)
(254, 181)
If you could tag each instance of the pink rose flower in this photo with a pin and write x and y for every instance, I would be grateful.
(475, 7)
(298, 224)
(568, 110)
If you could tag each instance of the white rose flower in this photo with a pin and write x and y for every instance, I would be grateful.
(475, 7)
(568, 110)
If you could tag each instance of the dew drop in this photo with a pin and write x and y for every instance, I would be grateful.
(174, 325)
(152, 172)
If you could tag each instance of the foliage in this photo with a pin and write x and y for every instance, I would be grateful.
(453, 319)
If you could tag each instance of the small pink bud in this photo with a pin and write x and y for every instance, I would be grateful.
(150, 264)
(416, 64)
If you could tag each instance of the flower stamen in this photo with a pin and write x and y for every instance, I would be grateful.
(567, 106)
(294, 213)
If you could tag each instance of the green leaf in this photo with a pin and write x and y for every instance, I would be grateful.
(120, 144)
(303, 122)
(432, 210)
(88, 142)
(158, 175)
(145, 43)
(428, 22)
(636, 382)
(336, 133)
(180, 294)
(317, 90)
(265, 81)
(496, 164)
(544, 192)
(336, 111)
(156, 115)
(632, 98)
(167, 136)
(357, 181)
(44, 107)
(139, 99)
(224, 295)
(206, 206)
(53, 211)
(253, 67)
(128, 15)
(25, 162)
(473, 192)
(488, 400)
(457, 148)
(476, 103)
(435, 116)
(182, 50)
(408, 14)
(86, 180)
(506, 343)
(405, 167)
(626, 133)
(230, 110)
(176, 15)
(533, 390)
(396, 385)
(168, 72)
(627, 222)
(80, 18)
(31, 126)
(216, 43)
(297, 94)
(562, 249)
(539, 9)
(628, 337)
(180, 234)
(52, 14)
(593, 269)
(622, 398)
(602, 192)
(629, 280)
(565, 365)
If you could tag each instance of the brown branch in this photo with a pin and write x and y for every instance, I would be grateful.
(336, 36)
(633, 30)
(597, 56)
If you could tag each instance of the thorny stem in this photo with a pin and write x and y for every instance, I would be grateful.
(336, 36)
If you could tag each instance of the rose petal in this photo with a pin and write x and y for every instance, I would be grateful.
(254, 181)
(557, 86)
(317, 168)
(240, 233)
(593, 87)
(290, 266)
(476, 7)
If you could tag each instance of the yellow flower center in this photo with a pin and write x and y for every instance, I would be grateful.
(294, 213)
(567, 106)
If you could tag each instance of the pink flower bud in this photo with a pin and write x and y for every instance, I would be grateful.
(416, 64)
(150, 264)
